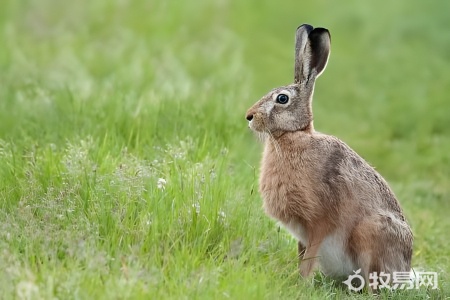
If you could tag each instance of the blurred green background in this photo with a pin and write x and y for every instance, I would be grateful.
(88, 87)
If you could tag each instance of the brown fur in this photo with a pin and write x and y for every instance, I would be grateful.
(339, 208)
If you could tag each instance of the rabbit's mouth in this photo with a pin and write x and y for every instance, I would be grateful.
(257, 123)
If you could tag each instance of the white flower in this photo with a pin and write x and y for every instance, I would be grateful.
(161, 184)
(221, 216)
(196, 205)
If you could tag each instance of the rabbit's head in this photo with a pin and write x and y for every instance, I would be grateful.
(288, 108)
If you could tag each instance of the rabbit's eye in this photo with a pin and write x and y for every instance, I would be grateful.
(282, 98)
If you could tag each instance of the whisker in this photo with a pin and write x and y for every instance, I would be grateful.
(261, 136)
(275, 144)
(274, 141)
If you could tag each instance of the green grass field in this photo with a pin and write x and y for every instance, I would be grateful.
(126, 167)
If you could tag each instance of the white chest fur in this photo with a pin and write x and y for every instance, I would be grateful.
(332, 254)
(298, 231)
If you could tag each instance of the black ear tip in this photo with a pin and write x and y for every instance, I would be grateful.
(321, 30)
(307, 27)
(320, 34)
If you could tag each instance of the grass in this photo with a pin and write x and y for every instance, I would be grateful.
(127, 170)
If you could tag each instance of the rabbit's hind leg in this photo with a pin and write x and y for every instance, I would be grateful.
(381, 245)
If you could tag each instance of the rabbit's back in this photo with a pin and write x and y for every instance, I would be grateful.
(307, 176)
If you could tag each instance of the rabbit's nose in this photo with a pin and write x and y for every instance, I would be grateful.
(249, 117)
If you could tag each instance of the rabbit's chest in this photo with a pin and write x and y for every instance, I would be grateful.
(286, 189)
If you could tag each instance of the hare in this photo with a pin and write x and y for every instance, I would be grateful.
(341, 211)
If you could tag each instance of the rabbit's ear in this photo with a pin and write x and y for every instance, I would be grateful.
(312, 49)
(301, 38)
